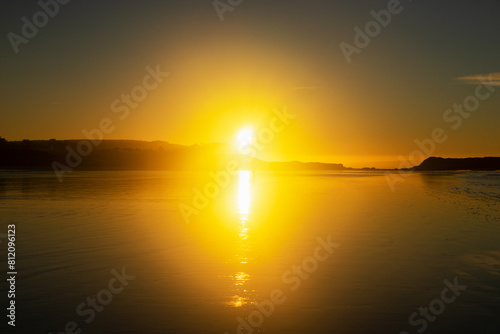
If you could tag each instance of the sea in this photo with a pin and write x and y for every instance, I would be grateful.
(249, 252)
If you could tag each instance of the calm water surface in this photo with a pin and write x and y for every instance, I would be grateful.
(255, 237)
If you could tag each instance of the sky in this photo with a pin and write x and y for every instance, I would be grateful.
(220, 69)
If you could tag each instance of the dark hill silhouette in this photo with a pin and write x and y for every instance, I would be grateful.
(437, 164)
(159, 155)
(25, 158)
(133, 155)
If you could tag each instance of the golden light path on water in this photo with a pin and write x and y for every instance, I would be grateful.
(244, 200)
(244, 193)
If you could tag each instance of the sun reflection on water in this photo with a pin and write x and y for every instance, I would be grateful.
(244, 193)
(240, 279)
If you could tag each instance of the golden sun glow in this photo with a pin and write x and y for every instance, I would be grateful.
(244, 138)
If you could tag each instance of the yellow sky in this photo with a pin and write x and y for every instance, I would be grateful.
(223, 76)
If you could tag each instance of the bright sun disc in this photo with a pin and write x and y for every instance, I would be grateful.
(245, 137)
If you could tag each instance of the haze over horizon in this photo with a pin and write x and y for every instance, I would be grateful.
(209, 78)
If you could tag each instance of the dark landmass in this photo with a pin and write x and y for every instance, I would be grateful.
(133, 155)
(159, 155)
(477, 164)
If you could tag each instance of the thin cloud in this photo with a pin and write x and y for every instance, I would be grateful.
(492, 79)
(303, 88)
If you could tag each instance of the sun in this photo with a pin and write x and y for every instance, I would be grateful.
(244, 138)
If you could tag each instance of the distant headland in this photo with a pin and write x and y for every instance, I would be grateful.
(444, 164)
